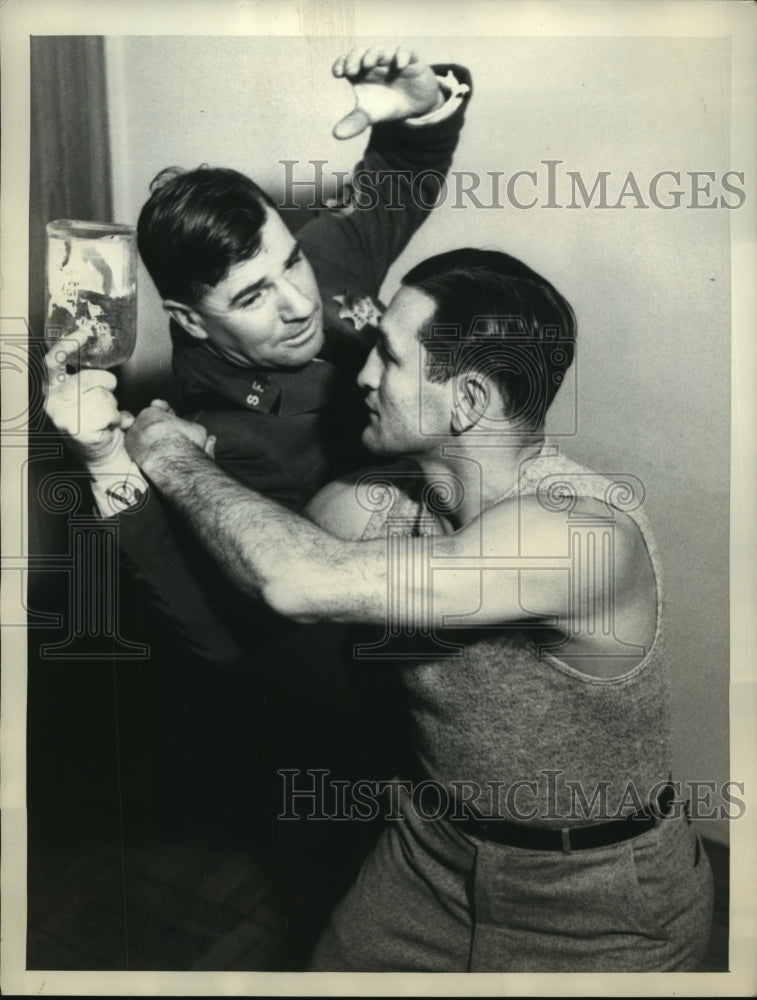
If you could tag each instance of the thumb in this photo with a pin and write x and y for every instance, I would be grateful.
(127, 419)
(354, 123)
(161, 404)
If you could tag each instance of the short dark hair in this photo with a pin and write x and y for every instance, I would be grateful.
(497, 316)
(196, 225)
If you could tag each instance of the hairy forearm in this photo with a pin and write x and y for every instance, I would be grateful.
(269, 552)
(225, 514)
(400, 581)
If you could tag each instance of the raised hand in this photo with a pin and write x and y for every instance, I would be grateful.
(82, 405)
(389, 85)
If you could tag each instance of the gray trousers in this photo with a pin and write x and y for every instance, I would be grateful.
(432, 899)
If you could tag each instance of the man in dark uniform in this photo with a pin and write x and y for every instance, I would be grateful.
(269, 332)
(268, 335)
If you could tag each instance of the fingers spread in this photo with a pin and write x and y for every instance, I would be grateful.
(352, 62)
(374, 57)
(353, 124)
(403, 58)
(358, 60)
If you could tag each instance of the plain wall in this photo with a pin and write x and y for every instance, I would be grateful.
(650, 287)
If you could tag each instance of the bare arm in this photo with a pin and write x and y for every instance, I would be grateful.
(511, 563)
(266, 549)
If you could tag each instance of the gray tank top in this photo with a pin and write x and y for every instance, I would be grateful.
(502, 720)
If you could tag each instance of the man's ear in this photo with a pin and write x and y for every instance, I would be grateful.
(187, 318)
(470, 401)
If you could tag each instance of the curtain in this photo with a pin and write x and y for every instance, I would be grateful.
(69, 179)
(70, 148)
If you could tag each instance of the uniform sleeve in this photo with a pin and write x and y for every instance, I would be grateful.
(395, 187)
(275, 456)
(181, 582)
(155, 559)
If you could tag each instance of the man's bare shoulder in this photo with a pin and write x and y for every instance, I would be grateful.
(536, 528)
(335, 509)
(345, 507)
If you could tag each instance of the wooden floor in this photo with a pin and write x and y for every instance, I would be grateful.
(194, 904)
(194, 892)
(152, 838)
(188, 904)
(153, 842)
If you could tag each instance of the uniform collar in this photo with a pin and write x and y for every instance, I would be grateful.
(200, 371)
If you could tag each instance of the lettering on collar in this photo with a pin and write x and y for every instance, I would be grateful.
(361, 310)
(258, 386)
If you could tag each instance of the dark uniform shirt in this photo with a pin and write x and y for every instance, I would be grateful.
(288, 433)
(285, 434)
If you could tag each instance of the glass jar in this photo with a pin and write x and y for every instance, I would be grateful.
(92, 287)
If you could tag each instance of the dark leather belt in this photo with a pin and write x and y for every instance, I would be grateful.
(574, 838)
